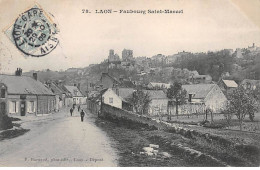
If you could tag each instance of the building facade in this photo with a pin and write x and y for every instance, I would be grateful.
(201, 97)
(27, 95)
(76, 97)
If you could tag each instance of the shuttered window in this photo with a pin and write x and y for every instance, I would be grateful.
(2, 93)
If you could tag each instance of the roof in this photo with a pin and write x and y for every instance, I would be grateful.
(98, 96)
(156, 94)
(113, 78)
(56, 90)
(253, 82)
(230, 83)
(126, 93)
(200, 91)
(75, 92)
(24, 85)
(127, 83)
(160, 84)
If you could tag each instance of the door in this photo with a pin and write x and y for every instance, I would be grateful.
(23, 108)
(2, 108)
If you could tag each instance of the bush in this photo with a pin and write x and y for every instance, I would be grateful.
(6, 123)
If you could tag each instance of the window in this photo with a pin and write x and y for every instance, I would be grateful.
(110, 100)
(31, 106)
(2, 93)
(13, 107)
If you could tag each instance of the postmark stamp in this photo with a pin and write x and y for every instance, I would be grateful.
(34, 33)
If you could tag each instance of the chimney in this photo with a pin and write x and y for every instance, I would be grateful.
(18, 72)
(35, 76)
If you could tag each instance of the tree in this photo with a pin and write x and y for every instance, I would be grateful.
(241, 104)
(255, 93)
(141, 101)
(177, 93)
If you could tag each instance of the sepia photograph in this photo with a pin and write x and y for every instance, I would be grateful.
(129, 83)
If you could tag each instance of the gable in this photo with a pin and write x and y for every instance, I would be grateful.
(216, 93)
(199, 91)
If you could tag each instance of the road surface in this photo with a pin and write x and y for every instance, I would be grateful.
(58, 140)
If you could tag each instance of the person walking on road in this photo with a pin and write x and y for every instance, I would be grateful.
(82, 114)
(78, 108)
(71, 111)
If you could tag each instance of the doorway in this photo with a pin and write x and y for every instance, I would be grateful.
(23, 108)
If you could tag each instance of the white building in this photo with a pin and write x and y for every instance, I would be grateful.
(77, 96)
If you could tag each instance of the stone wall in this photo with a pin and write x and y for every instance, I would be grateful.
(111, 112)
(119, 115)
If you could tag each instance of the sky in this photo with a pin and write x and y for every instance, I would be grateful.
(86, 38)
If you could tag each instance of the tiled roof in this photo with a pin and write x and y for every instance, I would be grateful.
(126, 93)
(200, 91)
(111, 77)
(75, 92)
(160, 84)
(230, 83)
(56, 90)
(156, 94)
(24, 85)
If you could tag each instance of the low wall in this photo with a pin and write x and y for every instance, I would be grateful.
(111, 112)
(118, 115)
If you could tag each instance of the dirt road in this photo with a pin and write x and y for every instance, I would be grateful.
(58, 140)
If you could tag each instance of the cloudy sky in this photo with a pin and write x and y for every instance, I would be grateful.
(86, 38)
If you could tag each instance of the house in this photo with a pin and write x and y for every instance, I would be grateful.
(27, 95)
(249, 84)
(121, 98)
(110, 97)
(93, 101)
(107, 81)
(3, 100)
(159, 102)
(154, 85)
(117, 97)
(196, 79)
(227, 86)
(3, 104)
(158, 105)
(76, 95)
(202, 96)
(60, 95)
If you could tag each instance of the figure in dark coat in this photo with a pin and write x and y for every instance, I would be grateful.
(82, 114)
(71, 111)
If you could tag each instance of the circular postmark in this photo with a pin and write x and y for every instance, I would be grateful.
(34, 34)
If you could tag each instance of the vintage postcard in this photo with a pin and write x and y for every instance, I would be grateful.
(129, 83)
